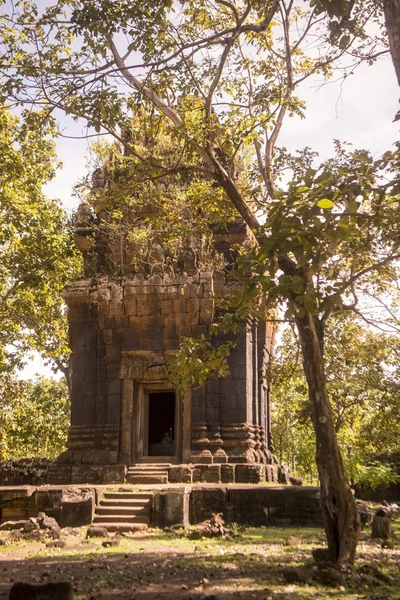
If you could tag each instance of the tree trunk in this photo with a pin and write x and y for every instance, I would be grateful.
(341, 519)
(66, 371)
(392, 22)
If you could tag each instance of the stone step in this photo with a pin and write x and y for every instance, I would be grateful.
(122, 510)
(146, 478)
(116, 518)
(126, 496)
(152, 475)
(152, 471)
(134, 502)
(152, 467)
(124, 527)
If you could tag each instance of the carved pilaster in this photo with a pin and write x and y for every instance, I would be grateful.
(216, 445)
(200, 444)
(239, 443)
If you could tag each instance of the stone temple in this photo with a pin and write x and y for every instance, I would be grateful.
(125, 327)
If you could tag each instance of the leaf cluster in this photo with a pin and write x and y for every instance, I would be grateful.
(331, 235)
(363, 385)
(34, 417)
(37, 254)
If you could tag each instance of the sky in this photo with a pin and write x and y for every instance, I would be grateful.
(359, 110)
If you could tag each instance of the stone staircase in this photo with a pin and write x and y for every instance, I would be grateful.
(124, 510)
(151, 474)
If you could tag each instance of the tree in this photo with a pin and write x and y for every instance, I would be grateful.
(392, 21)
(37, 253)
(363, 385)
(34, 417)
(345, 18)
(226, 75)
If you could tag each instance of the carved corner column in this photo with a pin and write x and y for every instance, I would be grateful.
(200, 450)
(186, 404)
(126, 429)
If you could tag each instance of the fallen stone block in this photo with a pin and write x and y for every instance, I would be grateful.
(49, 591)
(293, 575)
(381, 527)
(77, 507)
(56, 544)
(48, 523)
(10, 525)
(111, 543)
(29, 526)
(55, 533)
(96, 531)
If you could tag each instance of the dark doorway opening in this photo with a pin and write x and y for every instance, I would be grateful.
(162, 424)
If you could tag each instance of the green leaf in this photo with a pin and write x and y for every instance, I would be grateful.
(325, 203)
(344, 41)
(353, 206)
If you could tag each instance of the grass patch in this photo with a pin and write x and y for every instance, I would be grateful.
(253, 564)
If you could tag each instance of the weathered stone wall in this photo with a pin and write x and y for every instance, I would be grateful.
(246, 505)
(37, 472)
(123, 335)
(69, 506)
(257, 506)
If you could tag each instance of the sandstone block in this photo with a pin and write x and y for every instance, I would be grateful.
(204, 501)
(143, 308)
(77, 507)
(249, 473)
(170, 508)
(113, 473)
(96, 531)
(227, 473)
(207, 473)
(180, 474)
(284, 475)
(179, 306)
(86, 474)
(130, 306)
(166, 307)
(193, 305)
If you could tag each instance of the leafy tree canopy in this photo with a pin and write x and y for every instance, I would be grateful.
(363, 384)
(34, 417)
(37, 255)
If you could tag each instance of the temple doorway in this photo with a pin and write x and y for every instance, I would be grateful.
(161, 424)
(156, 428)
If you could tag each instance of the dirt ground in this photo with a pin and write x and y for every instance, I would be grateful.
(264, 563)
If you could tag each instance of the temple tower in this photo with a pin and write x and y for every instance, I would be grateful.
(125, 328)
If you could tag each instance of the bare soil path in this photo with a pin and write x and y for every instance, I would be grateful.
(259, 563)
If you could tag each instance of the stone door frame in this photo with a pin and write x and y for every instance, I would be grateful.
(140, 422)
(130, 421)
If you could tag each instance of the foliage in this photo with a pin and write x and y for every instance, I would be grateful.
(153, 201)
(363, 385)
(34, 417)
(199, 360)
(331, 236)
(232, 98)
(37, 255)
